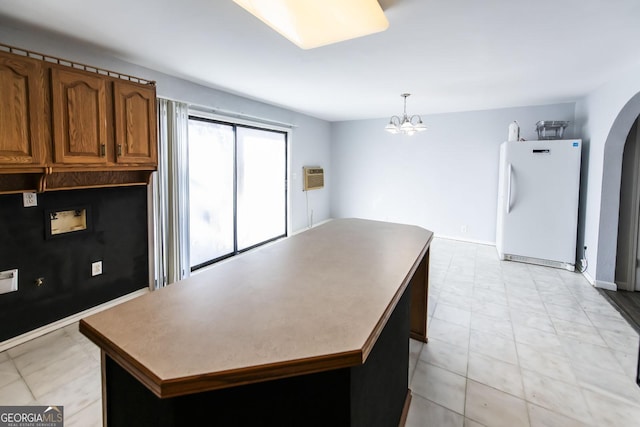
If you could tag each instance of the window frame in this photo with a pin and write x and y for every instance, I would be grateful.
(235, 124)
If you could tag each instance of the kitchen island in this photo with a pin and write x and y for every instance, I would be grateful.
(310, 330)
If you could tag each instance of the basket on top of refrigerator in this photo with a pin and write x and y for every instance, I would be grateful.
(551, 129)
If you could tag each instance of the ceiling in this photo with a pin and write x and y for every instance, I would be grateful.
(451, 56)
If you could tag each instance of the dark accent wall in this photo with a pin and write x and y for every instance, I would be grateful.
(118, 237)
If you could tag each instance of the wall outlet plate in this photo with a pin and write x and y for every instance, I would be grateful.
(29, 200)
(8, 281)
(96, 268)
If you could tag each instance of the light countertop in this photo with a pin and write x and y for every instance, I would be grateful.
(311, 302)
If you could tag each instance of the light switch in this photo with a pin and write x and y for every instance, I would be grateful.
(8, 281)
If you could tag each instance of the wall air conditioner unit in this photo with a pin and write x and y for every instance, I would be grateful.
(313, 178)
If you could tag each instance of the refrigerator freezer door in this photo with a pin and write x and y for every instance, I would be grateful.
(538, 200)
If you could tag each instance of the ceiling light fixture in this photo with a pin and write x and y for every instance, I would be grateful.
(405, 125)
(314, 23)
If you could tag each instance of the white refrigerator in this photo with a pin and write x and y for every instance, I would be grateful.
(538, 190)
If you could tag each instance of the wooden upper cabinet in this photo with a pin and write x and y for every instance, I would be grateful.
(22, 115)
(135, 123)
(67, 125)
(79, 108)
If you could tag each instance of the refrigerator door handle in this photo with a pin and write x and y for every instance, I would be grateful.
(509, 173)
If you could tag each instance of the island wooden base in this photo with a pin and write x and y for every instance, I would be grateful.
(370, 395)
(405, 410)
(419, 286)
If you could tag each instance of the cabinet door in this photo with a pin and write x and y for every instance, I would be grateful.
(22, 115)
(135, 123)
(79, 102)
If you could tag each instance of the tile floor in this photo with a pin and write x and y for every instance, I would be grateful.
(510, 345)
(62, 367)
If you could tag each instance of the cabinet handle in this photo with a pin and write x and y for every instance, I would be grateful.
(119, 149)
(103, 150)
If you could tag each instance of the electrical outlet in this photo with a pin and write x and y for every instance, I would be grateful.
(96, 268)
(464, 229)
(29, 200)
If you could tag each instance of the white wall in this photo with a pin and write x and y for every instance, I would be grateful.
(443, 179)
(604, 119)
(310, 139)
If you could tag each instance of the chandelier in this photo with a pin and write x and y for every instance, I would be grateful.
(405, 125)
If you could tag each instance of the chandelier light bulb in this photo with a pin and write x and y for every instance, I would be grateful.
(391, 128)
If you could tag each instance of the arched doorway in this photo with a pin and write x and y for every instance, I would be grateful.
(610, 190)
(627, 275)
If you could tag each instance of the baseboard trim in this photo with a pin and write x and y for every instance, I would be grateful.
(590, 279)
(28, 336)
(302, 230)
(460, 239)
(609, 286)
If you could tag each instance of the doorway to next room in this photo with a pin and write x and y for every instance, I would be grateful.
(627, 277)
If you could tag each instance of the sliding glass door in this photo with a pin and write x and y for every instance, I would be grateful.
(237, 188)
(211, 195)
(262, 213)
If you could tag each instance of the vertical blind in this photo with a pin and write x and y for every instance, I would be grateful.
(170, 195)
